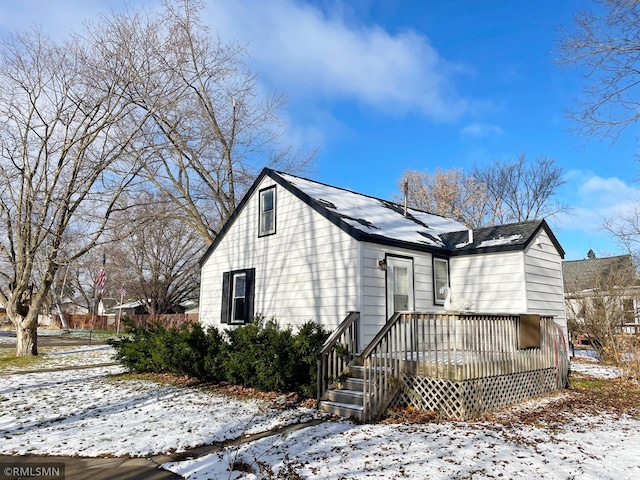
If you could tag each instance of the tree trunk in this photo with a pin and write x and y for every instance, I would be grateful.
(26, 339)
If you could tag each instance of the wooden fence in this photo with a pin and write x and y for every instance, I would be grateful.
(109, 322)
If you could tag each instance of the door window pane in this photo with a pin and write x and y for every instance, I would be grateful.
(400, 289)
(401, 284)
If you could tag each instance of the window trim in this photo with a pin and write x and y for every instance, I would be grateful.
(445, 260)
(228, 296)
(261, 193)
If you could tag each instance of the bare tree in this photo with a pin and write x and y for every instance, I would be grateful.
(503, 192)
(157, 261)
(625, 228)
(60, 147)
(448, 193)
(208, 131)
(600, 300)
(520, 190)
(607, 47)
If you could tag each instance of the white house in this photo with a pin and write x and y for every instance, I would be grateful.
(299, 250)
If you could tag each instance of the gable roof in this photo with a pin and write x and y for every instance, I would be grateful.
(582, 275)
(380, 221)
(511, 236)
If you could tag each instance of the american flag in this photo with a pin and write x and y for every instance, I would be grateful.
(102, 280)
(123, 292)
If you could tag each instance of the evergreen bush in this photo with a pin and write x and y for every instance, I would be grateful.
(260, 354)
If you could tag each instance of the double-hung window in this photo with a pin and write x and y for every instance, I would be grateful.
(237, 296)
(440, 278)
(267, 216)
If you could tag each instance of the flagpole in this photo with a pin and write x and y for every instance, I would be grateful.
(120, 311)
(93, 312)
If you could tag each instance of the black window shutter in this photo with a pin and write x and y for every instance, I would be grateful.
(248, 305)
(226, 296)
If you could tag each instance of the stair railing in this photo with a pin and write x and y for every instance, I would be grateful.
(338, 351)
(381, 364)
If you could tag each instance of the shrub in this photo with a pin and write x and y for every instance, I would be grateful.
(260, 355)
(154, 348)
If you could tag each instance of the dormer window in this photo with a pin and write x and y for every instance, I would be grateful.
(267, 216)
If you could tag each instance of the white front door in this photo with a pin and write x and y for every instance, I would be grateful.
(399, 285)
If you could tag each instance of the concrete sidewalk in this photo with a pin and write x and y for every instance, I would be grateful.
(79, 468)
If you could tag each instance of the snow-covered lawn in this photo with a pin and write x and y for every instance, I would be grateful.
(87, 413)
(604, 448)
(63, 357)
(83, 412)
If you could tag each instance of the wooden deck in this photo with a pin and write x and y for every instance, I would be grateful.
(462, 364)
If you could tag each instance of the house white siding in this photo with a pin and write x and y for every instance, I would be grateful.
(307, 270)
(543, 277)
(494, 282)
(374, 312)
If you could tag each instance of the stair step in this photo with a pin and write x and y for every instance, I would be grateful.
(352, 383)
(357, 371)
(342, 409)
(342, 395)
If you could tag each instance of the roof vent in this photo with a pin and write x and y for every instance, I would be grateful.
(406, 191)
(470, 235)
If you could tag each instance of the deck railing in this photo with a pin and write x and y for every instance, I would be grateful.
(450, 347)
(338, 351)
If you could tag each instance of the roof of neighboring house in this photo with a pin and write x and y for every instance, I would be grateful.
(188, 305)
(585, 274)
(380, 221)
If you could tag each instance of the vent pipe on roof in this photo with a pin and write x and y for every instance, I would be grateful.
(406, 192)
(470, 235)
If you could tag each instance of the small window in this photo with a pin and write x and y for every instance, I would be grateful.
(267, 219)
(440, 278)
(237, 296)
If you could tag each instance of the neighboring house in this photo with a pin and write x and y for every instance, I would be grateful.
(73, 306)
(138, 307)
(299, 250)
(606, 286)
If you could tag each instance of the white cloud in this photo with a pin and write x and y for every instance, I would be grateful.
(299, 48)
(57, 19)
(478, 129)
(595, 199)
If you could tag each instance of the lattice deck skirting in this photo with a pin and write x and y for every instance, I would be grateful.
(470, 398)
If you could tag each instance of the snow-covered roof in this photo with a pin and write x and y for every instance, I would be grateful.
(380, 221)
(374, 216)
(511, 236)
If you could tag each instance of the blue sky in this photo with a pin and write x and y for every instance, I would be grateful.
(383, 86)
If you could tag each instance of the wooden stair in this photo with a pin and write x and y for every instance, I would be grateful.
(347, 398)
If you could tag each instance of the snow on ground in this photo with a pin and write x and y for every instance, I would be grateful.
(342, 450)
(66, 357)
(87, 413)
(586, 363)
